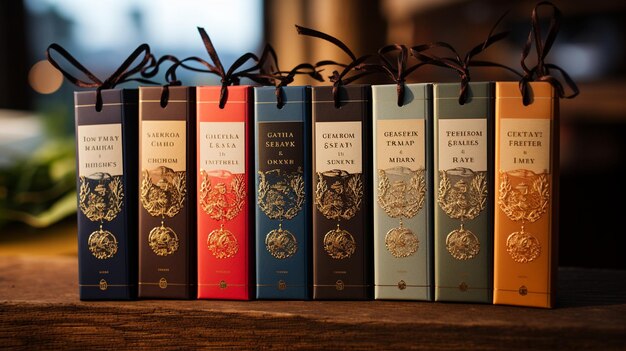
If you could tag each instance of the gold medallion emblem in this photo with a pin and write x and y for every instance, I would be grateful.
(222, 196)
(401, 242)
(280, 243)
(163, 193)
(222, 243)
(462, 244)
(339, 200)
(163, 240)
(102, 244)
(524, 197)
(401, 194)
(281, 196)
(100, 199)
(339, 243)
(462, 195)
(103, 285)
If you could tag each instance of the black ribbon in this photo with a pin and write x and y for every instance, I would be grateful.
(461, 66)
(338, 79)
(269, 69)
(541, 71)
(397, 72)
(170, 74)
(232, 76)
(122, 75)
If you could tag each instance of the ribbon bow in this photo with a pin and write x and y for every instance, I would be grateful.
(397, 72)
(338, 79)
(121, 75)
(228, 77)
(541, 71)
(461, 66)
(268, 69)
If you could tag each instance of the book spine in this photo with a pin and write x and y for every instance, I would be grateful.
(526, 219)
(283, 187)
(463, 193)
(224, 211)
(402, 188)
(107, 245)
(342, 191)
(166, 193)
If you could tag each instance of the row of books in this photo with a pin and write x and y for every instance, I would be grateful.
(352, 196)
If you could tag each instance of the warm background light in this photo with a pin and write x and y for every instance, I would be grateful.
(44, 78)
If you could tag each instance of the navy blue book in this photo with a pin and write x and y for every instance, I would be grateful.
(283, 206)
(106, 154)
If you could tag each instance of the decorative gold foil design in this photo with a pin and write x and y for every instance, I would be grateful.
(163, 193)
(401, 242)
(281, 196)
(339, 285)
(280, 243)
(103, 285)
(163, 283)
(462, 195)
(100, 199)
(102, 244)
(163, 240)
(523, 290)
(462, 244)
(282, 285)
(339, 200)
(401, 194)
(339, 243)
(524, 197)
(222, 200)
(222, 243)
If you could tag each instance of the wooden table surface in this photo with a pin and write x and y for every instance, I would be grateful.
(39, 308)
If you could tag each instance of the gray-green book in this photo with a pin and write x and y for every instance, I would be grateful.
(403, 170)
(463, 196)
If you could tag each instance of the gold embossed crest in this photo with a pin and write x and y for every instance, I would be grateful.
(222, 196)
(281, 196)
(462, 195)
(524, 197)
(100, 199)
(339, 243)
(401, 242)
(338, 195)
(102, 244)
(163, 193)
(401, 193)
(222, 243)
(163, 240)
(280, 243)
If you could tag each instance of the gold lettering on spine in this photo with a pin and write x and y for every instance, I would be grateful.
(524, 197)
(222, 200)
(401, 193)
(339, 200)
(100, 199)
(163, 193)
(281, 197)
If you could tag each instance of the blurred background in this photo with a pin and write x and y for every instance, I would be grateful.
(37, 156)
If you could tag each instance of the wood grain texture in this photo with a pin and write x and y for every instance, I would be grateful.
(39, 309)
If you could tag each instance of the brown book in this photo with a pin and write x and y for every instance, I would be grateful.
(526, 195)
(342, 227)
(167, 195)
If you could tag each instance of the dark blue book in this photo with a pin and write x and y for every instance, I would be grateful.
(283, 185)
(106, 154)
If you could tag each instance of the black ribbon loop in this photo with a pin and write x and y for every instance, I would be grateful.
(397, 72)
(542, 70)
(270, 74)
(339, 78)
(170, 74)
(233, 75)
(121, 75)
(461, 66)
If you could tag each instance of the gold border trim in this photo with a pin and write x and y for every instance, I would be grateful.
(168, 284)
(108, 285)
(288, 286)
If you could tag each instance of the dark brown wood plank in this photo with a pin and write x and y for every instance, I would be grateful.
(39, 308)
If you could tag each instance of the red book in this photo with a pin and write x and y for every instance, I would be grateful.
(224, 207)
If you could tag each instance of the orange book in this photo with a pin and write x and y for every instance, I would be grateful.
(526, 196)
